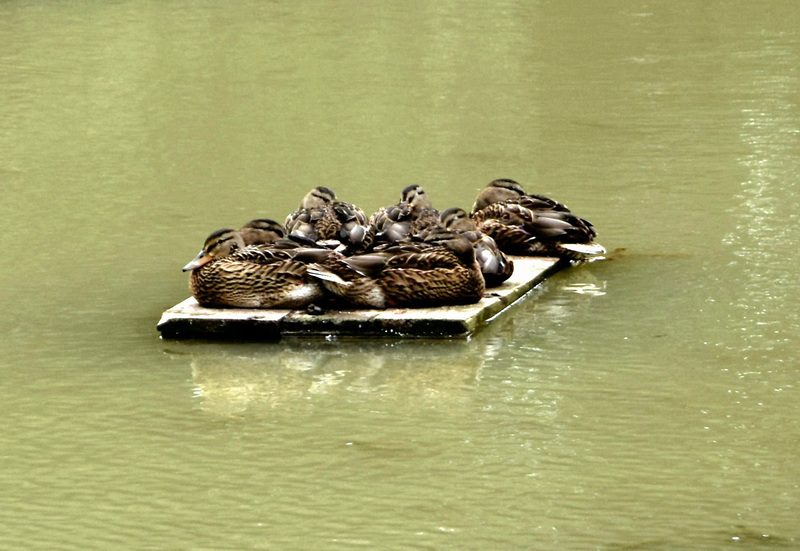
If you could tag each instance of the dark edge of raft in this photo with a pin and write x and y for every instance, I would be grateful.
(190, 320)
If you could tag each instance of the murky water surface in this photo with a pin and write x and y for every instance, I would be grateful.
(646, 402)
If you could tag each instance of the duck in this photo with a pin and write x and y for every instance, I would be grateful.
(400, 222)
(227, 273)
(423, 215)
(495, 266)
(506, 190)
(391, 224)
(322, 218)
(441, 271)
(532, 225)
(527, 232)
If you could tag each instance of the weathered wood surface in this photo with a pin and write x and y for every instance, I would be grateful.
(190, 320)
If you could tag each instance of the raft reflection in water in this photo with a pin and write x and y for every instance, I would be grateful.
(233, 379)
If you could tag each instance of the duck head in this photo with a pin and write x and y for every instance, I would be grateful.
(497, 190)
(416, 198)
(318, 197)
(456, 219)
(219, 244)
(261, 231)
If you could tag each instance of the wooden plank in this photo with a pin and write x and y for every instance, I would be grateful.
(190, 320)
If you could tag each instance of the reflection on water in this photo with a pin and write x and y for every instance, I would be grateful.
(232, 379)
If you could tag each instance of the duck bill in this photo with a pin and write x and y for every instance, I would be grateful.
(201, 259)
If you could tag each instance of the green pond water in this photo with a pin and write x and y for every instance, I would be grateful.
(644, 402)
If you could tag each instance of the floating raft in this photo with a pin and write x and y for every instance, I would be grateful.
(190, 320)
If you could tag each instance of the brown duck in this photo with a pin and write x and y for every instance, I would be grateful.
(505, 190)
(398, 223)
(527, 224)
(495, 266)
(323, 218)
(439, 272)
(227, 273)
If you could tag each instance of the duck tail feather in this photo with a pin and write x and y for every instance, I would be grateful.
(586, 249)
(320, 272)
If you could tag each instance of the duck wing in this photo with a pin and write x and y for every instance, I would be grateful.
(354, 230)
(391, 224)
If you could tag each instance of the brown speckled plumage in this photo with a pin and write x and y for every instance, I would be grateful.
(505, 190)
(495, 266)
(261, 231)
(518, 230)
(526, 224)
(402, 222)
(391, 224)
(442, 272)
(228, 274)
(321, 217)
